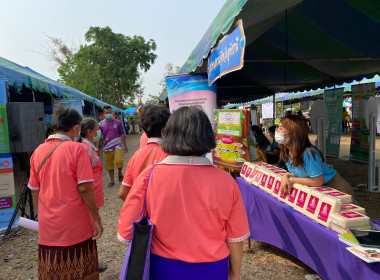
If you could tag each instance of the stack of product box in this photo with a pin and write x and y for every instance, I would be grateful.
(325, 205)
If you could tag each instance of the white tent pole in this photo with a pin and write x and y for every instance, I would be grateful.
(274, 108)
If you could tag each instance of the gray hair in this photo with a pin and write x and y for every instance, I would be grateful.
(86, 125)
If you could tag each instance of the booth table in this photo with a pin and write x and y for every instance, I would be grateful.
(276, 223)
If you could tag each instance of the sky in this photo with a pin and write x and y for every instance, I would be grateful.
(176, 26)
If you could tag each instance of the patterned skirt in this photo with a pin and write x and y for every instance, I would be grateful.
(79, 261)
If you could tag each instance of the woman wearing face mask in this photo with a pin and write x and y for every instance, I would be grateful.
(61, 181)
(89, 135)
(303, 160)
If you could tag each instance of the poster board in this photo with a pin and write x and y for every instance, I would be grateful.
(334, 100)
(359, 150)
(267, 110)
(232, 138)
(73, 103)
(7, 187)
(191, 90)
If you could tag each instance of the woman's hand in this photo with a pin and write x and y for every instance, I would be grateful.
(286, 186)
(98, 229)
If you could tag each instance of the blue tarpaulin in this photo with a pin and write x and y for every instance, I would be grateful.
(130, 111)
(17, 75)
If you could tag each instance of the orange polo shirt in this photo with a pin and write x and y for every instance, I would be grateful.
(194, 207)
(96, 170)
(138, 159)
(143, 140)
(63, 217)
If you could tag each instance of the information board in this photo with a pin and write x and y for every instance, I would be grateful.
(359, 137)
(232, 139)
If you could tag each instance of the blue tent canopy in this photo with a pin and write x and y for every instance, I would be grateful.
(18, 75)
(130, 111)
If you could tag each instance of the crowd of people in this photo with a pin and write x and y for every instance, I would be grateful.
(197, 210)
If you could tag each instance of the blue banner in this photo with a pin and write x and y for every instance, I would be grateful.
(228, 56)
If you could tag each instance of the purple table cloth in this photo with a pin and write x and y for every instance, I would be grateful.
(276, 223)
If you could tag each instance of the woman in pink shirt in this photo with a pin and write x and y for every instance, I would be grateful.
(69, 223)
(90, 133)
(197, 210)
(153, 120)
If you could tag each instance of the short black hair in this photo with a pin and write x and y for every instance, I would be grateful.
(153, 119)
(257, 129)
(107, 107)
(272, 128)
(65, 118)
(188, 132)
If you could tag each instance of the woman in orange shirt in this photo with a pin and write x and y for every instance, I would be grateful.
(90, 134)
(69, 221)
(153, 119)
(197, 209)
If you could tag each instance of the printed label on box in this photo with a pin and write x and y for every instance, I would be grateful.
(301, 199)
(270, 182)
(323, 189)
(248, 172)
(244, 169)
(264, 180)
(277, 187)
(312, 205)
(351, 215)
(283, 195)
(335, 193)
(349, 206)
(293, 195)
(258, 176)
(324, 212)
(253, 174)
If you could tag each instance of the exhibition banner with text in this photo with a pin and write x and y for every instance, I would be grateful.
(7, 187)
(228, 55)
(191, 90)
(232, 139)
(359, 137)
(334, 101)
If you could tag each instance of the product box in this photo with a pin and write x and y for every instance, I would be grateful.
(328, 206)
(352, 207)
(304, 194)
(313, 204)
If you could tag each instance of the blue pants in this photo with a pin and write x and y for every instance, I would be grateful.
(168, 269)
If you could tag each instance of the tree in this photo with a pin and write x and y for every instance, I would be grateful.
(109, 66)
(169, 70)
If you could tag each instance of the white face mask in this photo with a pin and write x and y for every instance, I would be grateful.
(280, 138)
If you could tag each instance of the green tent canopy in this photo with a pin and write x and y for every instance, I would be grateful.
(294, 45)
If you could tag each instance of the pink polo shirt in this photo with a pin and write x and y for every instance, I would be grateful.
(63, 217)
(96, 170)
(138, 159)
(194, 207)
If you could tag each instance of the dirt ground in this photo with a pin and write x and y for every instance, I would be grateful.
(18, 254)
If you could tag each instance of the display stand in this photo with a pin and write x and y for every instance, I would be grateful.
(371, 120)
(318, 119)
(26, 197)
